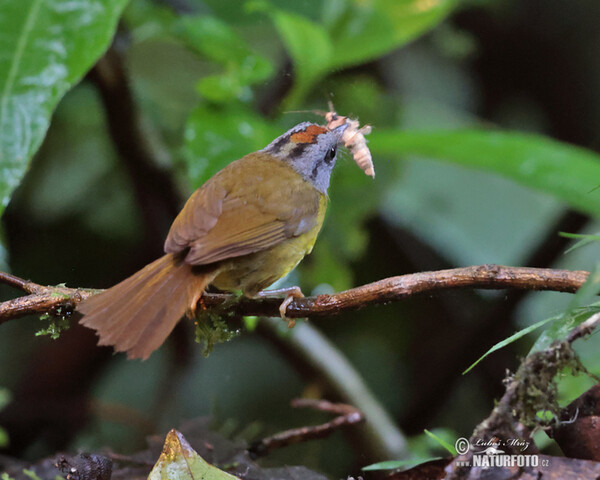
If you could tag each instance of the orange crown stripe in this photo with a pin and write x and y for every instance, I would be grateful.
(308, 135)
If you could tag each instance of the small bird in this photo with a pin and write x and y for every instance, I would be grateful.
(248, 226)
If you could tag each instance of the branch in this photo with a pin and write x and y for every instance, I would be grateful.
(492, 277)
(317, 359)
(538, 366)
(346, 415)
(43, 299)
(528, 391)
(40, 300)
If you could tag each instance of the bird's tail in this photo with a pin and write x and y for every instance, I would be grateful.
(138, 314)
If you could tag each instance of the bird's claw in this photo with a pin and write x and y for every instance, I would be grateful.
(291, 293)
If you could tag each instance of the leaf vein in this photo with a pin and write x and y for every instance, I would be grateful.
(17, 57)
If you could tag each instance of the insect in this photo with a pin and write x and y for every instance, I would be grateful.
(353, 139)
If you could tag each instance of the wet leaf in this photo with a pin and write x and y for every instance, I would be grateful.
(45, 48)
(566, 172)
(179, 461)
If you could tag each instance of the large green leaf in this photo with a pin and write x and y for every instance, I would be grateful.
(367, 30)
(350, 33)
(307, 43)
(566, 172)
(45, 47)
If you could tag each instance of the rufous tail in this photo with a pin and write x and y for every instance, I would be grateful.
(137, 315)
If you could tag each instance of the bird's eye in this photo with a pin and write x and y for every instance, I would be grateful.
(330, 155)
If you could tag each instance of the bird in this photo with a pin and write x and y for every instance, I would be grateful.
(246, 227)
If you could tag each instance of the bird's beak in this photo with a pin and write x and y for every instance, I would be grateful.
(339, 131)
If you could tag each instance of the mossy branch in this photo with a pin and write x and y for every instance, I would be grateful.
(532, 389)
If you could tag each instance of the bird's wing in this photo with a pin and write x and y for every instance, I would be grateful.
(251, 205)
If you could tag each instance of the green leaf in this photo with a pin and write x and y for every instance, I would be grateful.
(233, 83)
(563, 171)
(222, 88)
(216, 41)
(351, 33)
(367, 30)
(31, 474)
(561, 324)
(179, 461)
(46, 46)
(395, 464)
(4, 440)
(307, 43)
(425, 445)
(509, 340)
(212, 38)
(587, 292)
(442, 442)
(250, 322)
(577, 312)
(146, 20)
(583, 240)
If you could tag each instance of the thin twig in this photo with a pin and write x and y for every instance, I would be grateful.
(319, 360)
(346, 415)
(19, 283)
(43, 299)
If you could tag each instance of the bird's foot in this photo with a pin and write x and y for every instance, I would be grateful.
(290, 294)
(192, 310)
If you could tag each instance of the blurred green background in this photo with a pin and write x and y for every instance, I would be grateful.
(486, 116)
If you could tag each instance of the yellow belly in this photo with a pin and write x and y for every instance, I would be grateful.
(255, 272)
